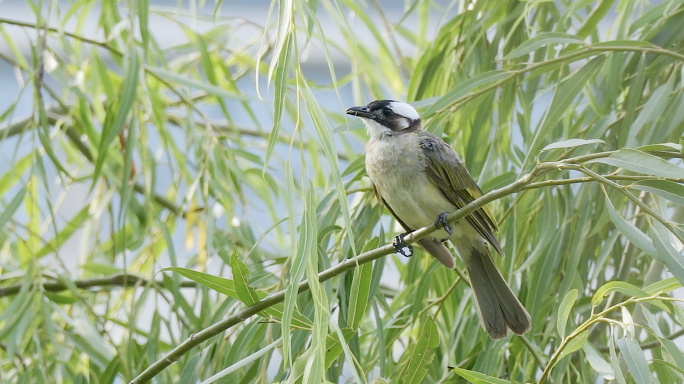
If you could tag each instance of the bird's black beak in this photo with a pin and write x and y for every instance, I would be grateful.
(362, 111)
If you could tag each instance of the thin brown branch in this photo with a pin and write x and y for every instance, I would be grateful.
(122, 280)
(102, 44)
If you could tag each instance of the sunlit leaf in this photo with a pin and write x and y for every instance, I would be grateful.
(422, 353)
(477, 377)
(635, 359)
(597, 362)
(571, 143)
(664, 188)
(564, 311)
(542, 40)
(640, 162)
(630, 231)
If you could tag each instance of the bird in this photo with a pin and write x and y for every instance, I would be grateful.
(420, 179)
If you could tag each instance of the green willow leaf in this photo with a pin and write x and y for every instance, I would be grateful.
(541, 40)
(15, 173)
(674, 351)
(618, 44)
(669, 190)
(630, 231)
(463, 89)
(663, 286)
(12, 207)
(563, 99)
(195, 84)
(68, 230)
(564, 311)
(477, 377)
(322, 126)
(218, 284)
(280, 87)
(666, 251)
(616, 286)
(245, 293)
(635, 359)
(600, 365)
(332, 352)
(574, 345)
(571, 143)
(652, 111)
(664, 147)
(615, 363)
(360, 291)
(640, 162)
(118, 114)
(597, 13)
(297, 248)
(422, 354)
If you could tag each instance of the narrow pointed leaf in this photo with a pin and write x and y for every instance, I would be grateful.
(600, 365)
(119, 112)
(564, 311)
(571, 143)
(664, 188)
(635, 359)
(477, 377)
(630, 231)
(640, 162)
(422, 353)
(218, 284)
(542, 40)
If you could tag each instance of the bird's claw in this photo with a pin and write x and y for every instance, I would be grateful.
(401, 247)
(442, 222)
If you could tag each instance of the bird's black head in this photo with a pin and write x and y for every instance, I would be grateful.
(384, 117)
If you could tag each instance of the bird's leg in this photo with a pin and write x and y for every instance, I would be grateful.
(442, 222)
(401, 247)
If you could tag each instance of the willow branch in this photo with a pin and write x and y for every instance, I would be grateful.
(122, 280)
(102, 44)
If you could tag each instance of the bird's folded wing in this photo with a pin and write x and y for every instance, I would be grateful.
(449, 173)
(383, 202)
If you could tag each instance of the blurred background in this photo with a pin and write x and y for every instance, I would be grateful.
(207, 137)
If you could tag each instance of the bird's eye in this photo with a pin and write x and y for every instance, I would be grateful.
(387, 110)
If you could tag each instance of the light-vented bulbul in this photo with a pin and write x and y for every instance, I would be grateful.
(420, 179)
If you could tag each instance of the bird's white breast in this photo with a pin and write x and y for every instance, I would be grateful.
(396, 166)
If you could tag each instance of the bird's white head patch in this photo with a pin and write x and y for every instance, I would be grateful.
(404, 109)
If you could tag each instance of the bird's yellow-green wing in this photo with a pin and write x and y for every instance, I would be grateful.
(448, 172)
(383, 202)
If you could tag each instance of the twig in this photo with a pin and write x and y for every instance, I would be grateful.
(102, 44)
(120, 280)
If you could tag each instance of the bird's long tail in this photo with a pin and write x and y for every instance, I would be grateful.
(499, 308)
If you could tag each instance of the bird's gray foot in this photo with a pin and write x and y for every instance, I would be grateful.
(442, 222)
(401, 247)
